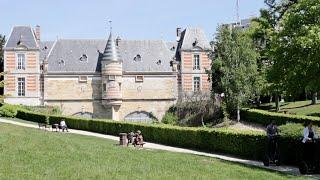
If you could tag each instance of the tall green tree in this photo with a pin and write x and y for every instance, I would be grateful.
(263, 31)
(2, 42)
(236, 65)
(296, 48)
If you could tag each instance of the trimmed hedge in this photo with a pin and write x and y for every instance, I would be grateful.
(247, 144)
(264, 117)
(32, 116)
(223, 141)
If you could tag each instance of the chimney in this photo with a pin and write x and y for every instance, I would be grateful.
(178, 33)
(37, 32)
(118, 40)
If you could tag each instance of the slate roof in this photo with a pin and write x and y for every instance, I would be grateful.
(45, 47)
(65, 56)
(24, 34)
(111, 52)
(155, 55)
(190, 35)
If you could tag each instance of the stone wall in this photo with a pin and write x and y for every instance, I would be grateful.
(155, 95)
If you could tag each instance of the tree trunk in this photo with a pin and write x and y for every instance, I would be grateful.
(202, 122)
(276, 98)
(258, 101)
(238, 113)
(314, 98)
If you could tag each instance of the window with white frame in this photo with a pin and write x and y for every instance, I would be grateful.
(83, 78)
(21, 61)
(196, 84)
(21, 86)
(111, 77)
(139, 78)
(196, 62)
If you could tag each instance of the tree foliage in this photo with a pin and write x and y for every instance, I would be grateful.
(236, 64)
(2, 42)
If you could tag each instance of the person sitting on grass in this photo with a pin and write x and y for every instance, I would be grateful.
(63, 125)
(139, 139)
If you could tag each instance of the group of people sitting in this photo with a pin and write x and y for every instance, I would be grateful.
(136, 139)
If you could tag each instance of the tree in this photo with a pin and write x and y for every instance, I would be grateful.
(296, 48)
(2, 42)
(236, 61)
(264, 30)
(196, 105)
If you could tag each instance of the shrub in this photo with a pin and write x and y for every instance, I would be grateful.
(32, 116)
(247, 144)
(9, 110)
(264, 117)
(170, 118)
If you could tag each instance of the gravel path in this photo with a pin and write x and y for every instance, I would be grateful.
(285, 169)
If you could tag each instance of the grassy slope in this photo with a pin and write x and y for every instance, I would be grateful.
(298, 107)
(33, 154)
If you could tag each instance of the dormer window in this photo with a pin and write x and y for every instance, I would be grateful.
(21, 61)
(158, 62)
(84, 58)
(137, 58)
(195, 42)
(61, 62)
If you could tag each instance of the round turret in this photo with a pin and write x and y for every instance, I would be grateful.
(111, 71)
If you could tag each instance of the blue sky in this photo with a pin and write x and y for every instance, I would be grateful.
(132, 19)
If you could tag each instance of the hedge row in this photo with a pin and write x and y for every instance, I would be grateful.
(264, 117)
(32, 116)
(247, 144)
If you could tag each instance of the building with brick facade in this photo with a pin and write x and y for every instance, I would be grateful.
(131, 80)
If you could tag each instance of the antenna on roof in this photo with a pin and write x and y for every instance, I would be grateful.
(238, 16)
(110, 24)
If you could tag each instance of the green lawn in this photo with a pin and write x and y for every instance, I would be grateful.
(298, 107)
(27, 153)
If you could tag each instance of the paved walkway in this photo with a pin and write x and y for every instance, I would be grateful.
(285, 169)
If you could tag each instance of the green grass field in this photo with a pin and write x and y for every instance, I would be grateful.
(27, 153)
(298, 107)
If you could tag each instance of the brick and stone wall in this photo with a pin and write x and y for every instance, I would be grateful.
(31, 73)
(187, 72)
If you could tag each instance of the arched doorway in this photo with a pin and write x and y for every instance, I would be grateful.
(139, 116)
(84, 115)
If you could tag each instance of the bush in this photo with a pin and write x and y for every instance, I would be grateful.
(247, 144)
(32, 116)
(8, 110)
(263, 117)
(170, 118)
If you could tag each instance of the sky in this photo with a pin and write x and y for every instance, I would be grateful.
(131, 19)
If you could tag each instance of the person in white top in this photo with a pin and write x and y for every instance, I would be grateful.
(309, 133)
(63, 125)
(309, 137)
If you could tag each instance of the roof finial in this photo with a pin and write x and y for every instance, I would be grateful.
(110, 23)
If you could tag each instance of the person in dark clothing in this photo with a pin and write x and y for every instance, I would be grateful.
(272, 132)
